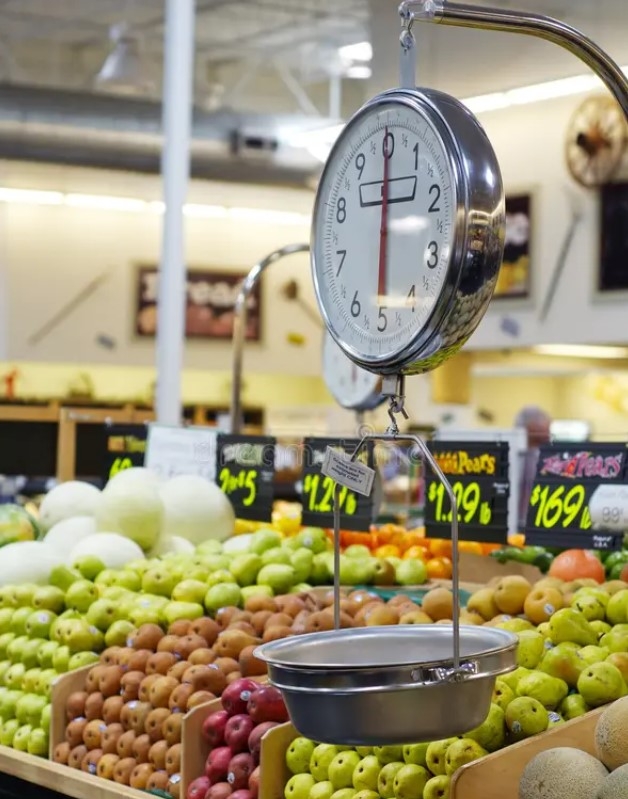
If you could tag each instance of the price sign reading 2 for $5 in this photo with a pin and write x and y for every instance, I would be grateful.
(567, 476)
(245, 471)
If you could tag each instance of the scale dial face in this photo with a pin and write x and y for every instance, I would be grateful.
(350, 385)
(391, 234)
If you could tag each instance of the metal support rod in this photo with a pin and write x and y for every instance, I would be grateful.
(239, 326)
(552, 30)
(177, 116)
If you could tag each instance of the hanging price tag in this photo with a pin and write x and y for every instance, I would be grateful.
(172, 451)
(245, 471)
(357, 511)
(125, 447)
(567, 477)
(478, 474)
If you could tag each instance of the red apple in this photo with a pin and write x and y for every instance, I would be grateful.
(198, 788)
(217, 764)
(243, 793)
(254, 783)
(266, 704)
(255, 738)
(214, 728)
(221, 790)
(236, 696)
(240, 768)
(237, 731)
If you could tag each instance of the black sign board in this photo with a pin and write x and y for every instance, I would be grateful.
(566, 476)
(478, 474)
(317, 492)
(245, 471)
(125, 446)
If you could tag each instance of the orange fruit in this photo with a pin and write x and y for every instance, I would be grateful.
(415, 552)
(574, 564)
(517, 540)
(472, 547)
(440, 547)
(439, 568)
(387, 551)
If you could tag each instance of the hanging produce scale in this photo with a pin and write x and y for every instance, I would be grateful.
(407, 242)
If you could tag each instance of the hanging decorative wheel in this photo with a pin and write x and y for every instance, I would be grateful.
(595, 141)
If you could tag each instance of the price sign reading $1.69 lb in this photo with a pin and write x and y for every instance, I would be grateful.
(357, 512)
(478, 474)
(245, 472)
(125, 445)
(567, 476)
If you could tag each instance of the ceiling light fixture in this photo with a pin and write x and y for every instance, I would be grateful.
(123, 70)
(358, 72)
(360, 51)
(581, 351)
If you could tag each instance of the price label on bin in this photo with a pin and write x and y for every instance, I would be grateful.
(567, 478)
(125, 446)
(357, 511)
(478, 475)
(245, 471)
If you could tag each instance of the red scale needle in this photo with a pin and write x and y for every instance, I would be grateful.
(383, 228)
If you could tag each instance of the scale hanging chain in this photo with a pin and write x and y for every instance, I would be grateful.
(407, 44)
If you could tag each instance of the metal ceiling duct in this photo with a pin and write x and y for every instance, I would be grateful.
(123, 133)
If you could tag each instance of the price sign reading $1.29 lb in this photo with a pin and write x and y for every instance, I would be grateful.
(357, 512)
(125, 445)
(478, 475)
(567, 476)
(245, 472)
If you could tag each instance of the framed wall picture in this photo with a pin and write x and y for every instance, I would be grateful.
(612, 274)
(209, 303)
(514, 275)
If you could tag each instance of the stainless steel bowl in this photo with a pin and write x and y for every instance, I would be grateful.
(388, 685)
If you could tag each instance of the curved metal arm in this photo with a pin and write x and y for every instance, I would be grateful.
(239, 325)
(499, 19)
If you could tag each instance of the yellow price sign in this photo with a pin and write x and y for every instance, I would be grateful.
(560, 506)
(471, 508)
(119, 465)
(318, 491)
(244, 480)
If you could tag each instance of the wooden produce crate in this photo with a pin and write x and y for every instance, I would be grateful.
(194, 748)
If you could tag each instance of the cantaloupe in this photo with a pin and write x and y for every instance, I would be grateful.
(615, 786)
(562, 772)
(611, 735)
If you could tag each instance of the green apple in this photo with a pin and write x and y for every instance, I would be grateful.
(46, 718)
(5, 640)
(182, 610)
(9, 728)
(276, 555)
(388, 754)
(357, 551)
(278, 576)
(366, 773)
(191, 591)
(118, 633)
(128, 578)
(62, 577)
(322, 756)
(299, 786)
(341, 768)
(61, 659)
(463, 751)
(526, 716)
(299, 588)
(49, 597)
(221, 596)
(39, 622)
(19, 619)
(437, 787)
(343, 793)
(8, 702)
(30, 679)
(57, 626)
(116, 593)
(264, 539)
(323, 790)
(209, 547)
(410, 781)
(7, 597)
(24, 594)
(38, 743)
(5, 665)
(314, 538)
(14, 676)
(219, 577)
(386, 779)
(16, 648)
(256, 590)
(80, 595)
(601, 683)
(80, 659)
(28, 709)
(101, 614)
(436, 754)
(214, 563)
(6, 614)
(245, 567)
(89, 566)
(322, 569)
(356, 571)
(299, 754)
(45, 682)
(415, 754)
(411, 572)
(20, 739)
(301, 561)
(144, 615)
(79, 636)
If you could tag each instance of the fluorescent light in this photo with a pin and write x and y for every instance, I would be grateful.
(580, 351)
(197, 211)
(104, 203)
(360, 51)
(30, 196)
(273, 217)
(359, 72)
